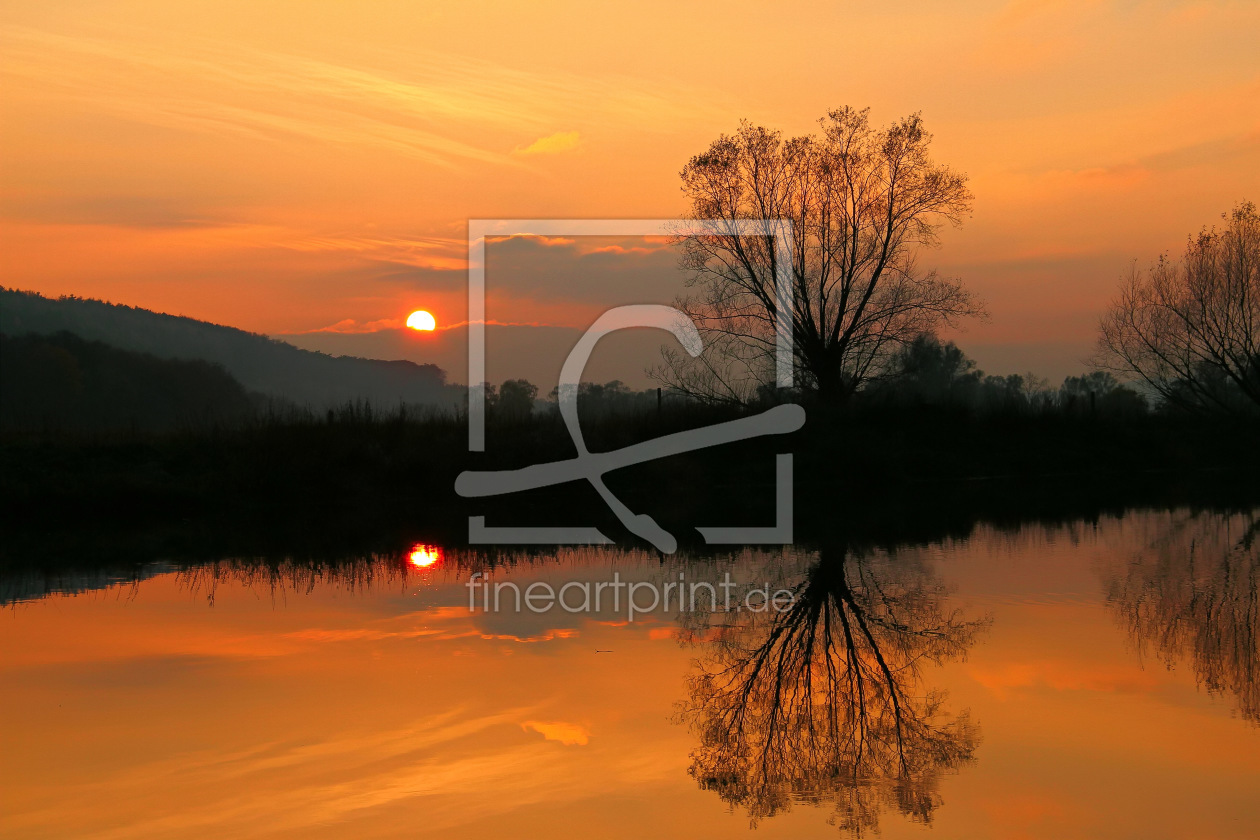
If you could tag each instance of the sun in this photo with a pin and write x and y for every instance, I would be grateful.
(421, 320)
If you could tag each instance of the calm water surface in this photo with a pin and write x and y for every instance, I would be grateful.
(1092, 680)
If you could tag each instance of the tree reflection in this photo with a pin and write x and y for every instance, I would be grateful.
(1192, 592)
(823, 702)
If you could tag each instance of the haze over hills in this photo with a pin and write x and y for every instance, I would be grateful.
(261, 364)
(513, 351)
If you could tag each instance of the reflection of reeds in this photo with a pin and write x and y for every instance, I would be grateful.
(1193, 591)
(376, 572)
(358, 574)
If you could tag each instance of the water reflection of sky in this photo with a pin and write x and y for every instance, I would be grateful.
(373, 704)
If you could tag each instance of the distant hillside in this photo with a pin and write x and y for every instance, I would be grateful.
(66, 382)
(33, 584)
(259, 363)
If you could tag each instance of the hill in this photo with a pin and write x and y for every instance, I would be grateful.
(66, 382)
(257, 362)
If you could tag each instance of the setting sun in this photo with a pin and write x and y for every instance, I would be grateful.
(421, 320)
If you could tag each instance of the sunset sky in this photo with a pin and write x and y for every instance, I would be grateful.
(310, 167)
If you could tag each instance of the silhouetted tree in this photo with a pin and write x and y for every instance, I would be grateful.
(1004, 394)
(1099, 392)
(515, 400)
(1194, 591)
(1190, 328)
(860, 202)
(933, 372)
(823, 702)
(613, 398)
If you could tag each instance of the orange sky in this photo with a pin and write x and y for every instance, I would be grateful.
(284, 167)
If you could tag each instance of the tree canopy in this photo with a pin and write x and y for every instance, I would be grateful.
(857, 204)
(1190, 328)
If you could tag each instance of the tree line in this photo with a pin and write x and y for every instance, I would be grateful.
(925, 373)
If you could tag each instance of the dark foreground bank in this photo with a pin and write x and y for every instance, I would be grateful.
(355, 482)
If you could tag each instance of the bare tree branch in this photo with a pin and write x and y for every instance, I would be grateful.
(860, 202)
(1190, 328)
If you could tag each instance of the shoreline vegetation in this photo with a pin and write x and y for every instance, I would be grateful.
(296, 545)
(320, 485)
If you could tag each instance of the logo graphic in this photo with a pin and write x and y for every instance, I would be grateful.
(592, 466)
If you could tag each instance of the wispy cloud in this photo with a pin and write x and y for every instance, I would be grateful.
(349, 326)
(428, 105)
(441, 766)
(552, 144)
(427, 252)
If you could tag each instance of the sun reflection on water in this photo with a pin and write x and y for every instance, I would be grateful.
(424, 556)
